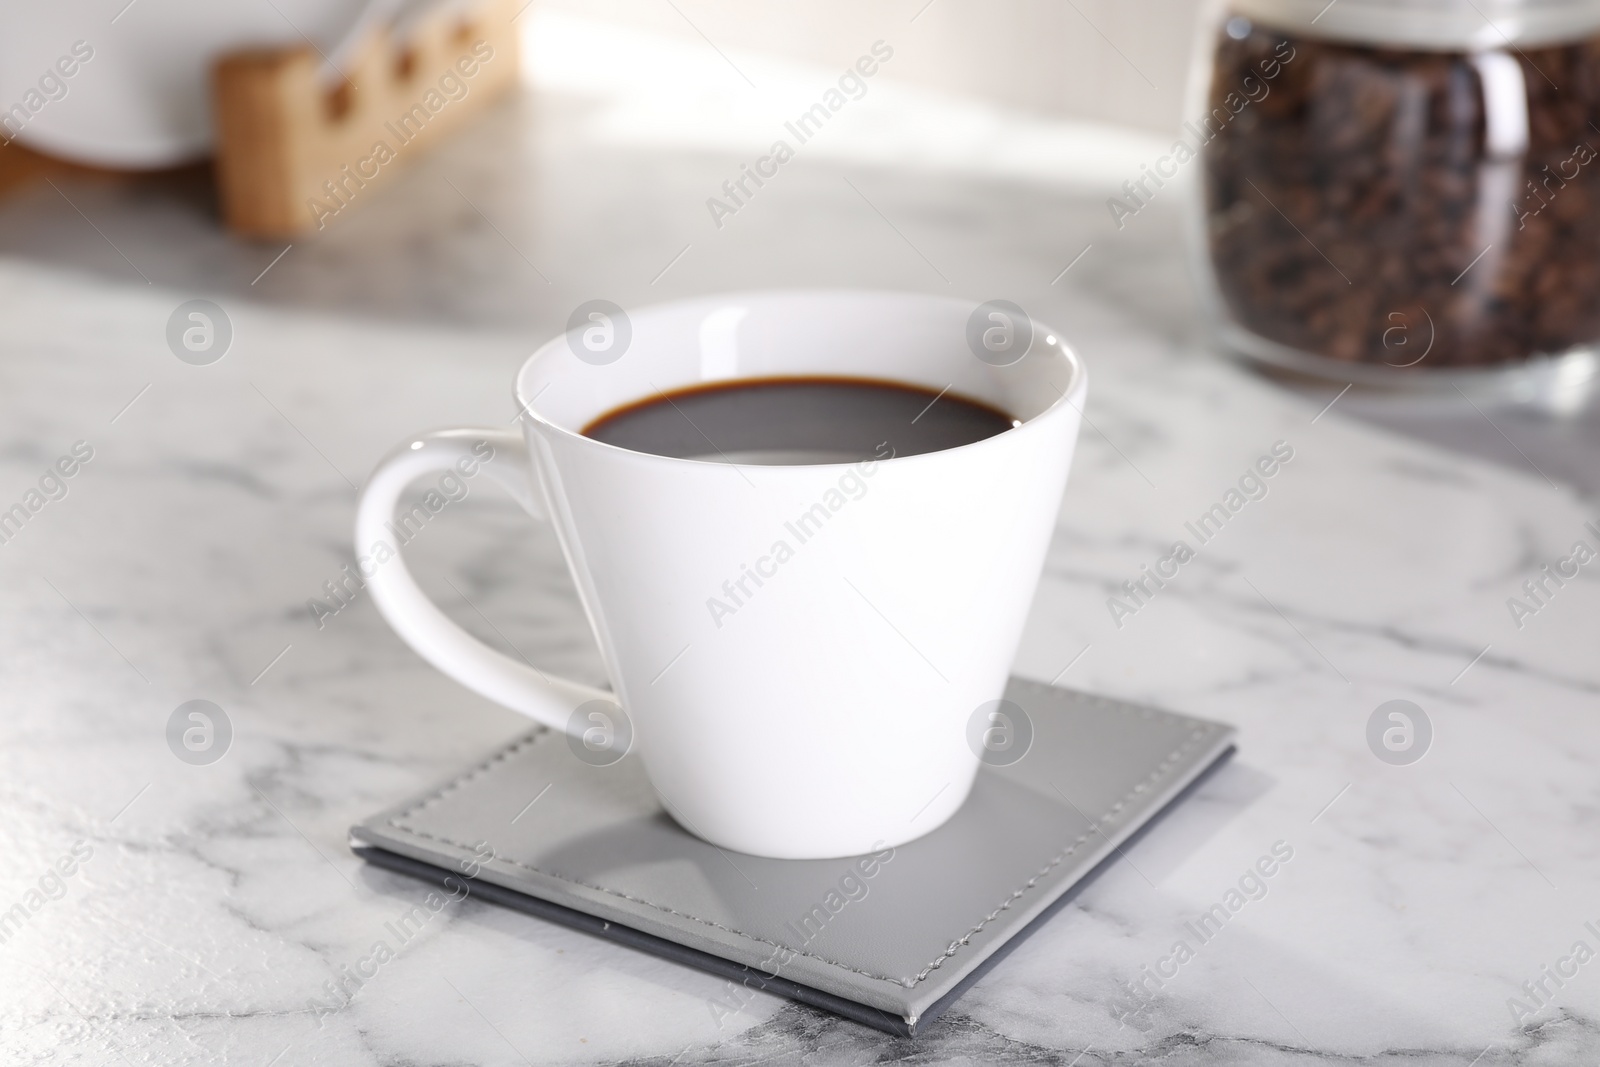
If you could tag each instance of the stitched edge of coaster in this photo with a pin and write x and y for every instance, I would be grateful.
(1203, 729)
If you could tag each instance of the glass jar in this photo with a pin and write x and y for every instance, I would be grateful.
(1391, 188)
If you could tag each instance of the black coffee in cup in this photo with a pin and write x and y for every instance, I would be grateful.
(799, 420)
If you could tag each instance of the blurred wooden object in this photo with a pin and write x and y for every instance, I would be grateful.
(294, 154)
(20, 166)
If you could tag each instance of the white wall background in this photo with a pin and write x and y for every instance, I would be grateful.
(1119, 61)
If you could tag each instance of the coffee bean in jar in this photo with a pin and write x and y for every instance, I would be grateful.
(1419, 186)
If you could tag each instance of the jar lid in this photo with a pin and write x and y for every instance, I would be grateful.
(1430, 25)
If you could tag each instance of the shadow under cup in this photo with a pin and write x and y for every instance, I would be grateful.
(800, 647)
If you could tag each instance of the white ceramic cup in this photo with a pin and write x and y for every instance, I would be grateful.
(822, 709)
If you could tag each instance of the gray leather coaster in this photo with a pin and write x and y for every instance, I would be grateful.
(889, 941)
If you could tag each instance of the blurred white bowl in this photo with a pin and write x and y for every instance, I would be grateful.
(138, 95)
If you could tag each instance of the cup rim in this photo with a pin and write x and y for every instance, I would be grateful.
(1071, 397)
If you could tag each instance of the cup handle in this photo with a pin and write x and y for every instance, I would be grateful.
(518, 685)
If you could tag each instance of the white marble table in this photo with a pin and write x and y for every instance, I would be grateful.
(216, 900)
